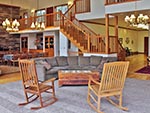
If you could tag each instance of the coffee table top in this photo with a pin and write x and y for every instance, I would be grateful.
(76, 71)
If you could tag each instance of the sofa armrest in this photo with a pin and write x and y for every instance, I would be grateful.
(40, 72)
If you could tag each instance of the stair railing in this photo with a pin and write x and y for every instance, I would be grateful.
(121, 52)
(84, 36)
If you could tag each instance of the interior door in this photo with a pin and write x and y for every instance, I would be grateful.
(24, 44)
(146, 46)
(50, 18)
(49, 45)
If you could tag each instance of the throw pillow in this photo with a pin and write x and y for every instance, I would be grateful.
(101, 65)
(46, 65)
(52, 61)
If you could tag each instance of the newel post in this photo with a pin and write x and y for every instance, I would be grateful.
(116, 33)
(107, 33)
(89, 43)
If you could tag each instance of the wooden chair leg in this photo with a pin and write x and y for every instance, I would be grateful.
(91, 105)
(117, 105)
(27, 99)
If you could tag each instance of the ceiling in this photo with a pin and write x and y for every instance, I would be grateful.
(121, 22)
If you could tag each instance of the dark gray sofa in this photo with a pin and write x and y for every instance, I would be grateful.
(47, 67)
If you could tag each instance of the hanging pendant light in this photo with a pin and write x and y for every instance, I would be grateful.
(11, 25)
(141, 21)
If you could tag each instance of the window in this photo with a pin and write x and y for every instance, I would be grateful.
(62, 8)
(40, 13)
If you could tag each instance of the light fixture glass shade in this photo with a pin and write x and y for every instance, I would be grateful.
(42, 25)
(38, 26)
(11, 26)
(32, 25)
(141, 21)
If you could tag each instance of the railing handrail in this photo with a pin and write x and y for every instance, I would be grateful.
(63, 15)
(70, 8)
(85, 26)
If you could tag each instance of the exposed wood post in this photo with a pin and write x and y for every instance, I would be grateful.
(89, 43)
(106, 2)
(107, 33)
(75, 6)
(116, 33)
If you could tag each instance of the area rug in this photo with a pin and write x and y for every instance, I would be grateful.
(144, 70)
(8, 69)
(72, 99)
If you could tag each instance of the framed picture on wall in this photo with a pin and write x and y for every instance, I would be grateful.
(127, 40)
(121, 40)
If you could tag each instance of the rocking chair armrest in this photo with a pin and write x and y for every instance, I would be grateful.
(50, 80)
(91, 81)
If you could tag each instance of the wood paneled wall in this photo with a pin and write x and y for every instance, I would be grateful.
(10, 12)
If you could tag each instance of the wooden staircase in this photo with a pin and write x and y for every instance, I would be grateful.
(79, 34)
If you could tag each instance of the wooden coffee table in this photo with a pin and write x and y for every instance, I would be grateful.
(76, 77)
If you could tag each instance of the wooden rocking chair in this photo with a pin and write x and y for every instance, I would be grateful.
(112, 83)
(33, 87)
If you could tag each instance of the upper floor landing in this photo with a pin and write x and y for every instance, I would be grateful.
(120, 6)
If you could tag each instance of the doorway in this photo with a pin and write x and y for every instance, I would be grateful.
(146, 40)
(49, 45)
(50, 17)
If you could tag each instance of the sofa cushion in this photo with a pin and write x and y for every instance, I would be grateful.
(74, 67)
(62, 61)
(88, 67)
(101, 65)
(52, 61)
(83, 61)
(44, 63)
(56, 69)
(95, 60)
(72, 60)
(111, 59)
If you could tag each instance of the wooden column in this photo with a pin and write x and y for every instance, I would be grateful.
(106, 2)
(107, 33)
(116, 33)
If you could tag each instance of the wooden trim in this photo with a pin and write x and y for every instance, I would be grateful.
(107, 33)
(111, 25)
(107, 3)
(140, 52)
(116, 32)
(60, 5)
(9, 5)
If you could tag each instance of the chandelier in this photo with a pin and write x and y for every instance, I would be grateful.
(141, 21)
(11, 26)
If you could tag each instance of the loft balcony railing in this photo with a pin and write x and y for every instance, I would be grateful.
(50, 20)
(82, 6)
(108, 2)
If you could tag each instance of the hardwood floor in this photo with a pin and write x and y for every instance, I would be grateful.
(10, 78)
(136, 62)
